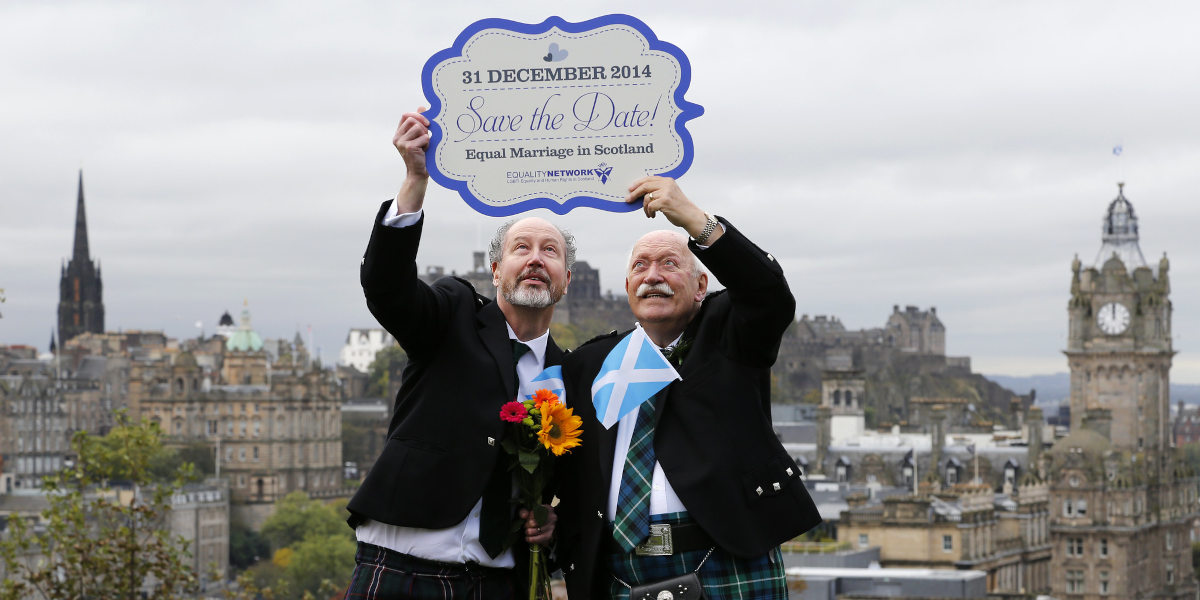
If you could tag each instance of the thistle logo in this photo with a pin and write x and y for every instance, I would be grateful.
(603, 171)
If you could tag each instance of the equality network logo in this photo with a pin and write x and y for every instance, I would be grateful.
(603, 170)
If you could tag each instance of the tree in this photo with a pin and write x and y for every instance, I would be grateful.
(313, 549)
(104, 533)
(318, 559)
(387, 365)
(246, 546)
(297, 517)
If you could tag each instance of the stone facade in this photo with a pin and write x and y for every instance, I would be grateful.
(966, 527)
(274, 422)
(1121, 496)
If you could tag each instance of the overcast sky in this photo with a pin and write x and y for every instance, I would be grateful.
(946, 154)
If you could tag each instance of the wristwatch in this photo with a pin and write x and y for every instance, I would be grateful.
(709, 227)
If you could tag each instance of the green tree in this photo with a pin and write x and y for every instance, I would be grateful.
(387, 366)
(104, 532)
(297, 517)
(318, 559)
(313, 551)
(246, 546)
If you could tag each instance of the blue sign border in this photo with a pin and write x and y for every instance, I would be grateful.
(687, 111)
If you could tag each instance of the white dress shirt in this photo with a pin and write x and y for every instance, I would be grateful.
(460, 543)
(662, 496)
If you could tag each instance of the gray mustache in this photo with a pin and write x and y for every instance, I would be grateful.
(659, 288)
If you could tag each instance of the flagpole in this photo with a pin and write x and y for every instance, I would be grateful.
(915, 477)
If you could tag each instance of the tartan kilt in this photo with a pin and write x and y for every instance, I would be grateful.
(723, 576)
(382, 574)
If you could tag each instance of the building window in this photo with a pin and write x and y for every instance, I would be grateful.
(947, 543)
(1068, 508)
(862, 540)
(1074, 546)
(1081, 507)
(1170, 540)
(1104, 583)
(1170, 574)
(951, 476)
(1074, 582)
(1103, 547)
(256, 453)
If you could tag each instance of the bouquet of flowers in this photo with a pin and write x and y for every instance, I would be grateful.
(540, 428)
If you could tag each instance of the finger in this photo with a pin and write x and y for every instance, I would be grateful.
(640, 188)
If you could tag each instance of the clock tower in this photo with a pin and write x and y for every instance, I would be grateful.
(1119, 339)
(1122, 499)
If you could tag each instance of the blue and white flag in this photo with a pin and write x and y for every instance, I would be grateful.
(633, 372)
(1118, 149)
(549, 379)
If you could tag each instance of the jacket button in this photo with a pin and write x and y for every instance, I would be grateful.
(758, 490)
(571, 567)
(776, 486)
(789, 471)
(770, 257)
(491, 441)
(599, 514)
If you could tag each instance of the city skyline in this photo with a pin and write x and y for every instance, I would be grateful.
(929, 154)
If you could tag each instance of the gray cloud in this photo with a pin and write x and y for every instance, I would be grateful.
(929, 153)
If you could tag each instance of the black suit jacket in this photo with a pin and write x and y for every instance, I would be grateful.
(713, 434)
(444, 437)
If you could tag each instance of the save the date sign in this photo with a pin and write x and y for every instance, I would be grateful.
(556, 115)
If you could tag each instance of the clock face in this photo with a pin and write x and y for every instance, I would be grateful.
(1113, 318)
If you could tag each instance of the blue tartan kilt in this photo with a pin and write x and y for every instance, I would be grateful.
(723, 576)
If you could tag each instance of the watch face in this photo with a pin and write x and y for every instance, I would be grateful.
(1113, 318)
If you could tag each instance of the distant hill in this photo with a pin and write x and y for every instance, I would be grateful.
(1056, 388)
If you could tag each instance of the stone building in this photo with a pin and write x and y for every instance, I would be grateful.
(1121, 496)
(966, 527)
(916, 331)
(362, 345)
(80, 290)
(273, 421)
(200, 515)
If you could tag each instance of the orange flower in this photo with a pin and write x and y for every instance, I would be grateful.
(560, 427)
(543, 396)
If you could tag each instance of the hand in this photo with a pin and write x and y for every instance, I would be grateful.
(411, 140)
(662, 195)
(539, 534)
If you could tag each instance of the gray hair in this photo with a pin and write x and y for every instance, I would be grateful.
(496, 247)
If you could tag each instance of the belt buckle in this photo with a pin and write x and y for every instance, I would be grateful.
(659, 542)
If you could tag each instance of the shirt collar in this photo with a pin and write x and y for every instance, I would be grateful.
(537, 345)
(673, 343)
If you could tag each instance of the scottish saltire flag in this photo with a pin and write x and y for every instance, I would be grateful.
(549, 379)
(633, 372)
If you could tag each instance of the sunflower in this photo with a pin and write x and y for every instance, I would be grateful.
(560, 428)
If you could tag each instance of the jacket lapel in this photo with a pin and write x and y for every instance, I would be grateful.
(493, 332)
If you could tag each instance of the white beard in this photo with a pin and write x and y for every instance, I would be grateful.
(528, 297)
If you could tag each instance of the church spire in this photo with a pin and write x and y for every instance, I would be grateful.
(80, 252)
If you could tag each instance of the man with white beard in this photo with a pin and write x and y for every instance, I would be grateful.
(433, 516)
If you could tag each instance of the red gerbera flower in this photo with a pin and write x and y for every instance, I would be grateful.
(513, 412)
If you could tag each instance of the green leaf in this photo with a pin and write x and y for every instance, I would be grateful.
(541, 514)
(529, 460)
